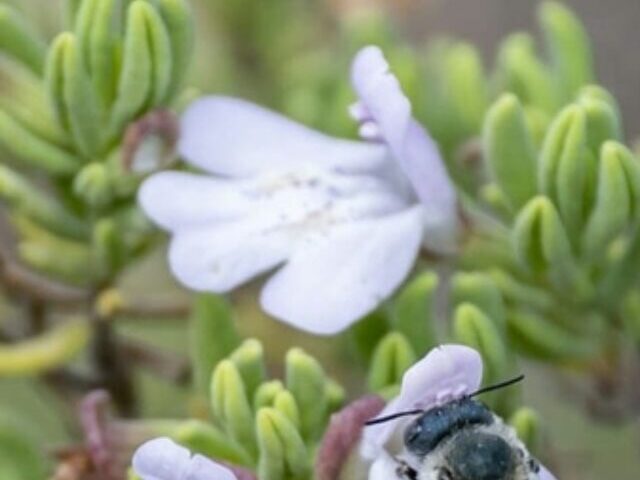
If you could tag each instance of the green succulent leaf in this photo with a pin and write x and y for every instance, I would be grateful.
(28, 199)
(160, 49)
(212, 336)
(109, 251)
(266, 394)
(467, 85)
(136, 82)
(230, 405)
(527, 424)
(19, 455)
(540, 238)
(97, 29)
(542, 338)
(178, 19)
(286, 404)
(617, 197)
(34, 150)
(509, 150)
(603, 122)
(306, 380)
(474, 328)
(45, 352)
(569, 46)
(481, 290)
(73, 95)
(367, 332)
(568, 168)
(18, 39)
(392, 357)
(206, 439)
(412, 312)
(283, 455)
(94, 185)
(525, 75)
(249, 359)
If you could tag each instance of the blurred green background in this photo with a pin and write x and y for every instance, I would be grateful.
(584, 450)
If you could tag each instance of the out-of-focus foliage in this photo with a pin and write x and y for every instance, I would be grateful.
(548, 268)
(64, 110)
(272, 426)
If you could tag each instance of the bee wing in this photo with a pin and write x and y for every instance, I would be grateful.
(235, 138)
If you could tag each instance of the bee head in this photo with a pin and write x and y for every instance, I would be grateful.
(477, 455)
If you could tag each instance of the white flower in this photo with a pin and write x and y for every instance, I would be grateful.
(446, 373)
(341, 221)
(163, 459)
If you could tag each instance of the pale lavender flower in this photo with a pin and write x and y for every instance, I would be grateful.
(163, 459)
(342, 221)
(446, 373)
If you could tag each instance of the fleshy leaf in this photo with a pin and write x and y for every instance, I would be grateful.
(568, 45)
(391, 359)
(412, 312)
(50, 350)
(509, 150)
(306, 380)
(212, 336)
(231, 406)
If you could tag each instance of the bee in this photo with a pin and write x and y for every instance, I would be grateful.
(463, 440)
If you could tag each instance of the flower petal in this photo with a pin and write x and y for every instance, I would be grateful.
(444, 374)
(235, 138)
(176, 200)
(545, 474)
(219, 258)
(414, 150)
(201, 468)
(383, 468)
(161, 459)
(341, 276)
(179, 200)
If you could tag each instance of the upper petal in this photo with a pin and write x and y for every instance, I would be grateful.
(415, 151)
(444, 374)
(380, 93)
(338, 276)
(232, 137)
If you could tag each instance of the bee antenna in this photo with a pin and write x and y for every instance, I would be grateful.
(497, 386)
(490, 388)
(388, 418)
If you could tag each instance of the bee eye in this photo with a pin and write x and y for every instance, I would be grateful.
(533, 465)
(445, 474)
